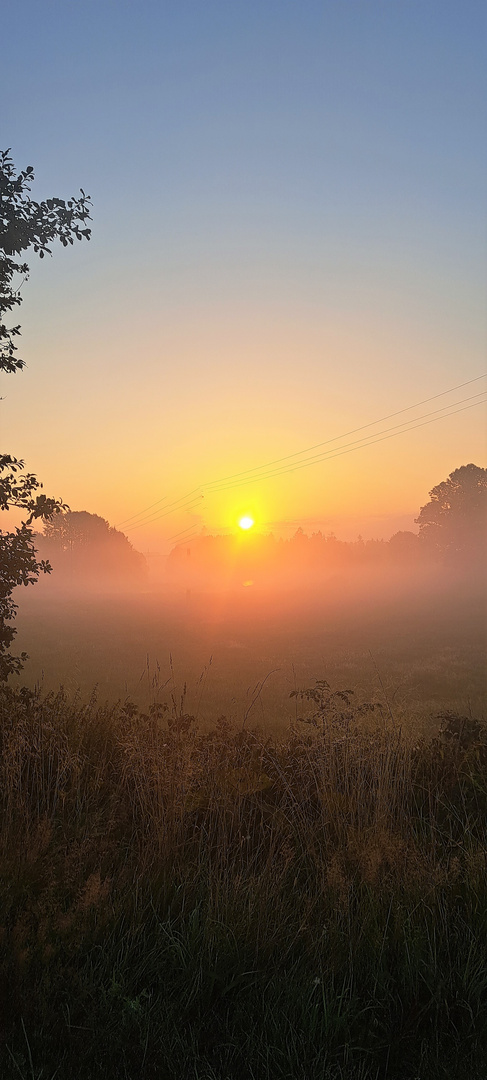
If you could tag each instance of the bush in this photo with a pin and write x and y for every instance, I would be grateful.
(218, 904)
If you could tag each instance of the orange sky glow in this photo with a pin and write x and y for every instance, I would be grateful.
(291, 249)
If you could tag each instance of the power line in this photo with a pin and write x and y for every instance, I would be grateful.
(338, 453)
(141, 513)
(256, 474)
(337, 438)
(190, 529)
(153, 518)
(131, 518)
(357, 443)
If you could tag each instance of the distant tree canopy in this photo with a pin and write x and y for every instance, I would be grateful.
(453, 525)
(454, 522)
(82, 546)
(234, 559)
(405, 546)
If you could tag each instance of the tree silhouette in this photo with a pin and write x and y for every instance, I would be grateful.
(404, 546)
(24, 224)
(83, 546)
(454, 522)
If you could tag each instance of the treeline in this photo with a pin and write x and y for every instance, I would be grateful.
(452, 532)
(215, 556)
(83, 548)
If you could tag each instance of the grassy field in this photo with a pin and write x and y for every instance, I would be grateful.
(418, 646)
(224, 905)
(267, 859)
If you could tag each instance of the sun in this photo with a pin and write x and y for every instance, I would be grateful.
(246, 522)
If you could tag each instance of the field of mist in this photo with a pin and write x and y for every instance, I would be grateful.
(412, 638)
(188, 895)
(249, 788)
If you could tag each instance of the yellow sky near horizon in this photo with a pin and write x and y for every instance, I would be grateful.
(115, 439)
(288, 243)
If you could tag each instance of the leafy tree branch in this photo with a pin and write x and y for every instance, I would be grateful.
(24, 224)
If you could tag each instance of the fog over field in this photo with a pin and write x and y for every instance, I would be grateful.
(243, 538)
(239, 625)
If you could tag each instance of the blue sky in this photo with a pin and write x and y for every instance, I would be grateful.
(288, 196)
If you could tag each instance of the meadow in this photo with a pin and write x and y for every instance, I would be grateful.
(415, 642)
(258, 848)
(223, 904)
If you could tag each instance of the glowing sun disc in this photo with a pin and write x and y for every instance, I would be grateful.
(246, 522)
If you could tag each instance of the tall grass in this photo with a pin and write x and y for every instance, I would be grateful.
(219, 904)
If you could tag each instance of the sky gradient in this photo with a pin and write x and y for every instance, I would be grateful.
(289, 242)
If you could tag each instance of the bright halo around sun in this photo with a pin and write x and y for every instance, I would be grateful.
(246, 522)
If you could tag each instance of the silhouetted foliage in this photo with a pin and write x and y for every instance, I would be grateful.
(453, 525)
(454, 522)
(211, 560)
(404, 545)
(24, 224)
(18, 563)
(27, 224)
(220, 903)
(84, 546)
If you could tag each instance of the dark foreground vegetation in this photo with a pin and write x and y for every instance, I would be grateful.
(216, 906)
